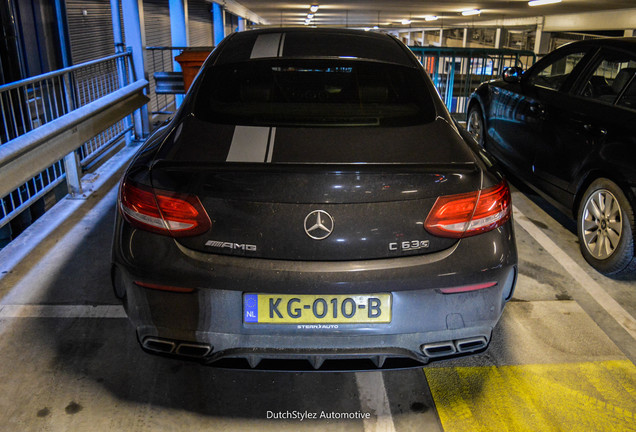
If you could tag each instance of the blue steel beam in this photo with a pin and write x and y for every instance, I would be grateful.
(218, 15)
(179, 34)
(120, 47)
(133, 23)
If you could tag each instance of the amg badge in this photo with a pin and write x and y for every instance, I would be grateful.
(230, 245)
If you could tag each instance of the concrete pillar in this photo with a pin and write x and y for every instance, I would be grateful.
(441, 37)
(629, 33)
(179, 35)
(241, 24)
(541, 41)
(218, 15)
(498, 38)
(422, 39)
(133, 12)
(465, 38)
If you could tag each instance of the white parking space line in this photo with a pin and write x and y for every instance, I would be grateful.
(601, 296)
(373, 400)
(62, 311)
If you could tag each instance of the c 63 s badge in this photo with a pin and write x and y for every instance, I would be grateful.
(408, 245)
(231, 245)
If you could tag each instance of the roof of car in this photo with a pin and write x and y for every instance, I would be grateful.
(313, 43)
(628, 43)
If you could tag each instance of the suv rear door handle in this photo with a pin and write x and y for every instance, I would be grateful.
(537, 109)
(590, 128)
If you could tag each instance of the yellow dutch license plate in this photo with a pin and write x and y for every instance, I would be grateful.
(316, 309)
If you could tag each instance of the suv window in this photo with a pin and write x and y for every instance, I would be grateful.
(628, 99)
(314, 92)
(553, 74)
(610, 78)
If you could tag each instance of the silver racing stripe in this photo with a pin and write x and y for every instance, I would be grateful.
(267, 45)
(251, 144)
(270, 145)
(280, 45)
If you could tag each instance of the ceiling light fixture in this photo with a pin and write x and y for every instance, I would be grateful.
(406, 21)
(431, 18)
(471, 12)
(310, 16)
(313, 8)
(542, 2)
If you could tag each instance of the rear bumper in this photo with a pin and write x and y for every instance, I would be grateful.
(207, 323)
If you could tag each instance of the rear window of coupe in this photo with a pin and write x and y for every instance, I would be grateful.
(314, 93)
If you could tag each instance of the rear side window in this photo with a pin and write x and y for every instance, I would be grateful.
(611, 78)
(628, 99)
(314, 93)
(553, 74)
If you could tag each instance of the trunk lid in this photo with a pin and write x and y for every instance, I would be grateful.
(317, 193)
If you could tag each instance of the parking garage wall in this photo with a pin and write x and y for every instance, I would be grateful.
(200, 31)
(157, 30)
(90, 29)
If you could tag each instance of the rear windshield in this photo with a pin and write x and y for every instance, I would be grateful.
(314, 93)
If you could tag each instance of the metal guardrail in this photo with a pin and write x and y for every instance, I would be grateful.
(33, 102)
(31, 153)
(159, 62)
(169, 83)
(456, 72)
(55, 124)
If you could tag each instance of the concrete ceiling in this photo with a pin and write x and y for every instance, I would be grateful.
(390, 13)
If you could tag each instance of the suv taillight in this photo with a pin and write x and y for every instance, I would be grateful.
(163, 212)
(468, 214)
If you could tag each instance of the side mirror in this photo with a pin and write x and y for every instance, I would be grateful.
(512, 74)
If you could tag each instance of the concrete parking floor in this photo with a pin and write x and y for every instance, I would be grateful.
(562, 357)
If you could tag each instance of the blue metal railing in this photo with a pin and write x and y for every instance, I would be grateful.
(456, 72)
(34, 102)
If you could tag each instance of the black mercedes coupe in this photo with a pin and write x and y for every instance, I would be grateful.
(567, 127)
(312, 205)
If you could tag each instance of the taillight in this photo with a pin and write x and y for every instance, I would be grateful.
(468, 214)
(163, 212)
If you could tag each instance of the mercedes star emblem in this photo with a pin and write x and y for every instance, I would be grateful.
(318, 224)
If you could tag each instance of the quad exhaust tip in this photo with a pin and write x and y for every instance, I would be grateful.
(159, 345)
(439, 349)
(461, 346)
(185, 349)
(471, 344)
(193, 350)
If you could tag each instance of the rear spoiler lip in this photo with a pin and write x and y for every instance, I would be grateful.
(307, 167)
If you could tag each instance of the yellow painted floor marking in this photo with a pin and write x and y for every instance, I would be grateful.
(586, 397)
